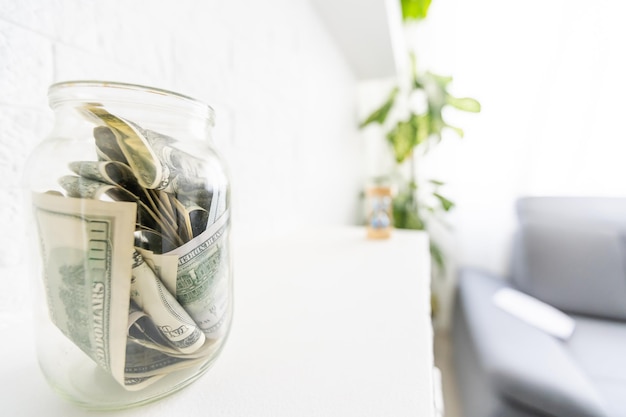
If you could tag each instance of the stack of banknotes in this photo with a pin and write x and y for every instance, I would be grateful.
(135, 252)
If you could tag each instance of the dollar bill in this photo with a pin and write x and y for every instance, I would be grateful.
(133, 145)
(87, 248)
(157, 164)
(202, 278)
(151, 156)
(108, 172)
(155, 228)
(143, 362)
(198, 218)
(117, 181)
(186, 171)
(189, 177)
(142, 331)
(81, 187)
(164, 266)
(107, 148)
(172, 321)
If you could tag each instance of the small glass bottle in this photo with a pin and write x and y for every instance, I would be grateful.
(131, 214)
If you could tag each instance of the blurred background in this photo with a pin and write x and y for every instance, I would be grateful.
(292, 80)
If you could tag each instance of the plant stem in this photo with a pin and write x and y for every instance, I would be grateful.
(412, 178)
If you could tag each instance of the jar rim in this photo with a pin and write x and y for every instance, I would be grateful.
(201, 107)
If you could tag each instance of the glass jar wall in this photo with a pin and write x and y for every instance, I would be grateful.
(130, 212)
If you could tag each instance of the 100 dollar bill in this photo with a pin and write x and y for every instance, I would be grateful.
(87, 248)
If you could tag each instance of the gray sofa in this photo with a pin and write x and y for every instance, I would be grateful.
(570, 253)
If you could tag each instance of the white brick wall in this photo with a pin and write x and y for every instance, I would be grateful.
(284, 96)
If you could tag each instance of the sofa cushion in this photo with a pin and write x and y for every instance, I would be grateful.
(599, 347)
(526, 366)
(597, 210)
(575, 267)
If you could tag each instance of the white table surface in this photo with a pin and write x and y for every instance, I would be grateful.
(326, 323)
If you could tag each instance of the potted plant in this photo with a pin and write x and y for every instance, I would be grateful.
(413, 122)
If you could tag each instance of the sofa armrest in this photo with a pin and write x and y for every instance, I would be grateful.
(524, 365)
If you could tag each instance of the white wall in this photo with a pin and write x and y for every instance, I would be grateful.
(284, 97)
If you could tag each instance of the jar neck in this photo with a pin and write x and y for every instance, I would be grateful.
(159, 110)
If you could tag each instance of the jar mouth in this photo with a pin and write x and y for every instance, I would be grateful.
(119, 92)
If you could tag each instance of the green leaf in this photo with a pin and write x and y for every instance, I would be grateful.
(407, 134)
(414, 9)
(380, 115)
(402, 139)
(465, 103)
(405, 210)
(456, 130)
(437, 183)
(441, 80)
(406, 216)
(445, 203)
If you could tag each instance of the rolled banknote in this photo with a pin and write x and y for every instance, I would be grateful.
(149, 294)
(190, 178)
(198, 218)
(153, 228)
(164, 266)
(186, 171)
(82, 187)
(152, 156)
(93, 176)
(143, 331)
(107, 147)
(202, 279)
(158, 164)
(132, 144)
(142, 362)
(109, 172)
(183, 222)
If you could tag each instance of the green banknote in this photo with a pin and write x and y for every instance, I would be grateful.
(136, 151)
(202, 277)
(171, 319)
(87, 248)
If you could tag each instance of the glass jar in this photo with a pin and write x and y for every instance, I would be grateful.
(131, 214)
